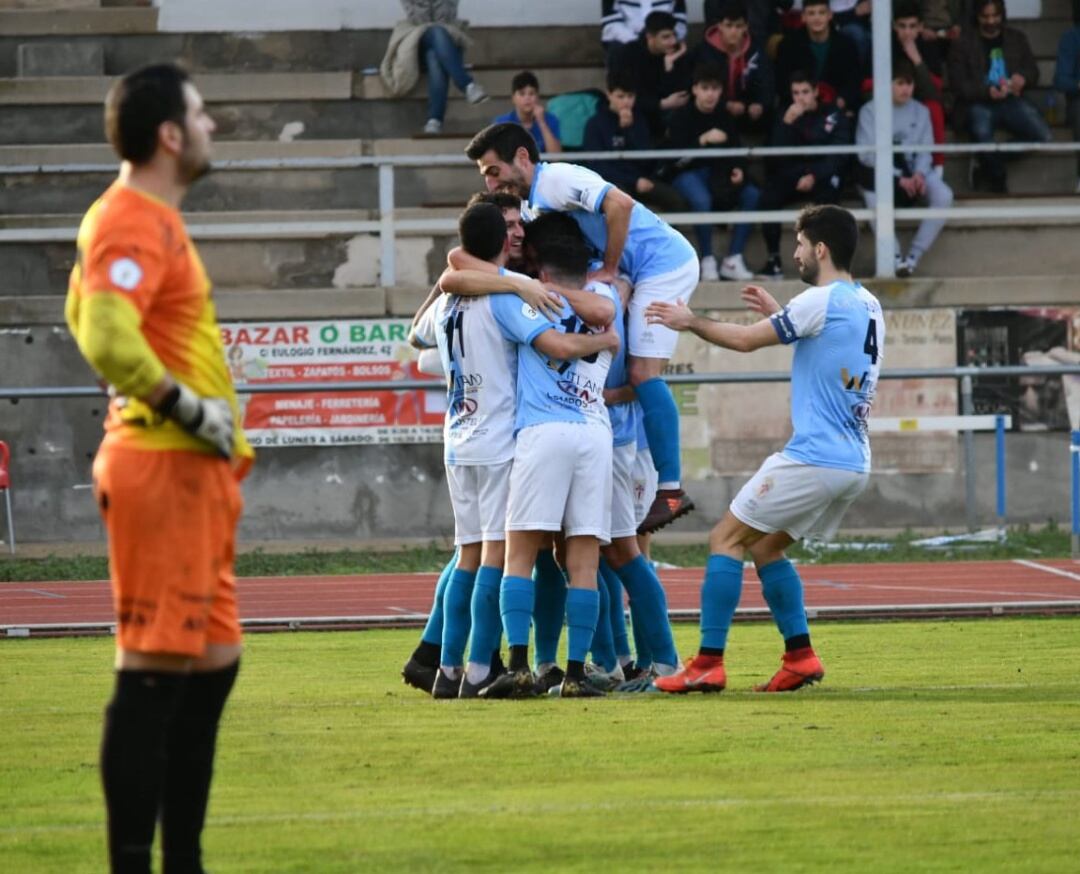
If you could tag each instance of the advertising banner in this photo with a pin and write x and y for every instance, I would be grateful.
(347, 350)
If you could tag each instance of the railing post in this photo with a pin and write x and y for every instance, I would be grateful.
(967, 407)
(885, 221)
(387, 267)
(1074, 453)
(999, 445)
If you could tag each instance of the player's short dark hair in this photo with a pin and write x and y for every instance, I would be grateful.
(707, 71)
(732, 10)
(501, 199)
(504, 138)
(802, 76)
(621, 79)
(903, 69)
(524, 79)
(807, 3)
(835, 227)
(482, 229)
(656, 22)
(556, 242)
(907, 9)
(138, 104)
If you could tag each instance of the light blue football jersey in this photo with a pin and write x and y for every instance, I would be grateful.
(480, 365)
(652, 248)
(623, 416)
(839, 336)
(549, 390)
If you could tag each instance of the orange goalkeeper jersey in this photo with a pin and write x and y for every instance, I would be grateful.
(139, 305)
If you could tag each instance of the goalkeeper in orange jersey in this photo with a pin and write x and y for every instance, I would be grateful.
(166, 475)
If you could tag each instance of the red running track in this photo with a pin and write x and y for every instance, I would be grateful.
(866, 590)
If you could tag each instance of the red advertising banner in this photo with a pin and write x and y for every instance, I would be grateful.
(377, 350)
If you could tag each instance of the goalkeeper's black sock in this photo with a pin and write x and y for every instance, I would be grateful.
(191, 741)
(133, 763)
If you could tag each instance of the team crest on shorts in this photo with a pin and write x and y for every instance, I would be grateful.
(765, 487)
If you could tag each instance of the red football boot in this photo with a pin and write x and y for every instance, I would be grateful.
(702, 673)
(798, 668)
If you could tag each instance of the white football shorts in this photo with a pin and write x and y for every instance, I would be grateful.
(479, 494)
(561, 480)
(655, 341)
(624, 521)
(645, 481)
(804, 500)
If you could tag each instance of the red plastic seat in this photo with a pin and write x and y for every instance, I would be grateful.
(5, 486)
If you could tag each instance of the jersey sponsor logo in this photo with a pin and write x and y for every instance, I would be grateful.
(853, 382)
(125, 274)
(529, 312)
(581, 392)
(461, 407)
(468, 380)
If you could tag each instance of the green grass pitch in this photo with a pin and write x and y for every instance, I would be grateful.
(931, 746)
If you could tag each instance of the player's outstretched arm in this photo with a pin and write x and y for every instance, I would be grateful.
(616, 208)
(739, 338)
(473, 283)
(569, 347)
(592, 308)
(760, 301)
(433, 295)
(458, 259)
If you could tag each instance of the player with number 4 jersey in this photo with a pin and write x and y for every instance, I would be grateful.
(804, 490)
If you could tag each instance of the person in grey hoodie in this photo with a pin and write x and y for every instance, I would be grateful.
(912, 177)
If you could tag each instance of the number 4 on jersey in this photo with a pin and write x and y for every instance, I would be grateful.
(870, 346)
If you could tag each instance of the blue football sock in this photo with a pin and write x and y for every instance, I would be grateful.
(486, 620)
(603, 645)
(457, 617)
(783, 591)
(516, 606)
(643, 585)
(616, 609)
(550, 606)
(642, 652)
(719, 597)
(661, 427)
(433, 630)
(582, 610)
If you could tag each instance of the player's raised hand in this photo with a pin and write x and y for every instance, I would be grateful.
(604, 274)
(209, 419)
(759, 300)
(541, 298)
(676, 316)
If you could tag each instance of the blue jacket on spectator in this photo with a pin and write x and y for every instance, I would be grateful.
(603, 134)
(1067, 71)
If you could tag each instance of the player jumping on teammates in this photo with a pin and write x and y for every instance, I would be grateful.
(660, 262)
(803, 490)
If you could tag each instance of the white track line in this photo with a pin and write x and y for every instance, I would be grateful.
(1034, 565)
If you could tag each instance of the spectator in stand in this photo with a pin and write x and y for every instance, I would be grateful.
(927, 64)
(622, 21)
(618, 127)
(1067, 78)
(808, 121)
(432, 39)
(990, 67)
(662, 68)
(712, 183)
(913, 180)
(745, 69)
(942, 19)
(852, 18)
(821, 52)
(763, 16)
(529, 112)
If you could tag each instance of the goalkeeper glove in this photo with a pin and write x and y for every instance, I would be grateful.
(209, 419)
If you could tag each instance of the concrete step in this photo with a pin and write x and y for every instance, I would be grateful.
(49, 5)
(215, 88)
(81, 21)
(275, 251)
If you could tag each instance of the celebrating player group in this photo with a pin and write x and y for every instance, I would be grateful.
(552, 325)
